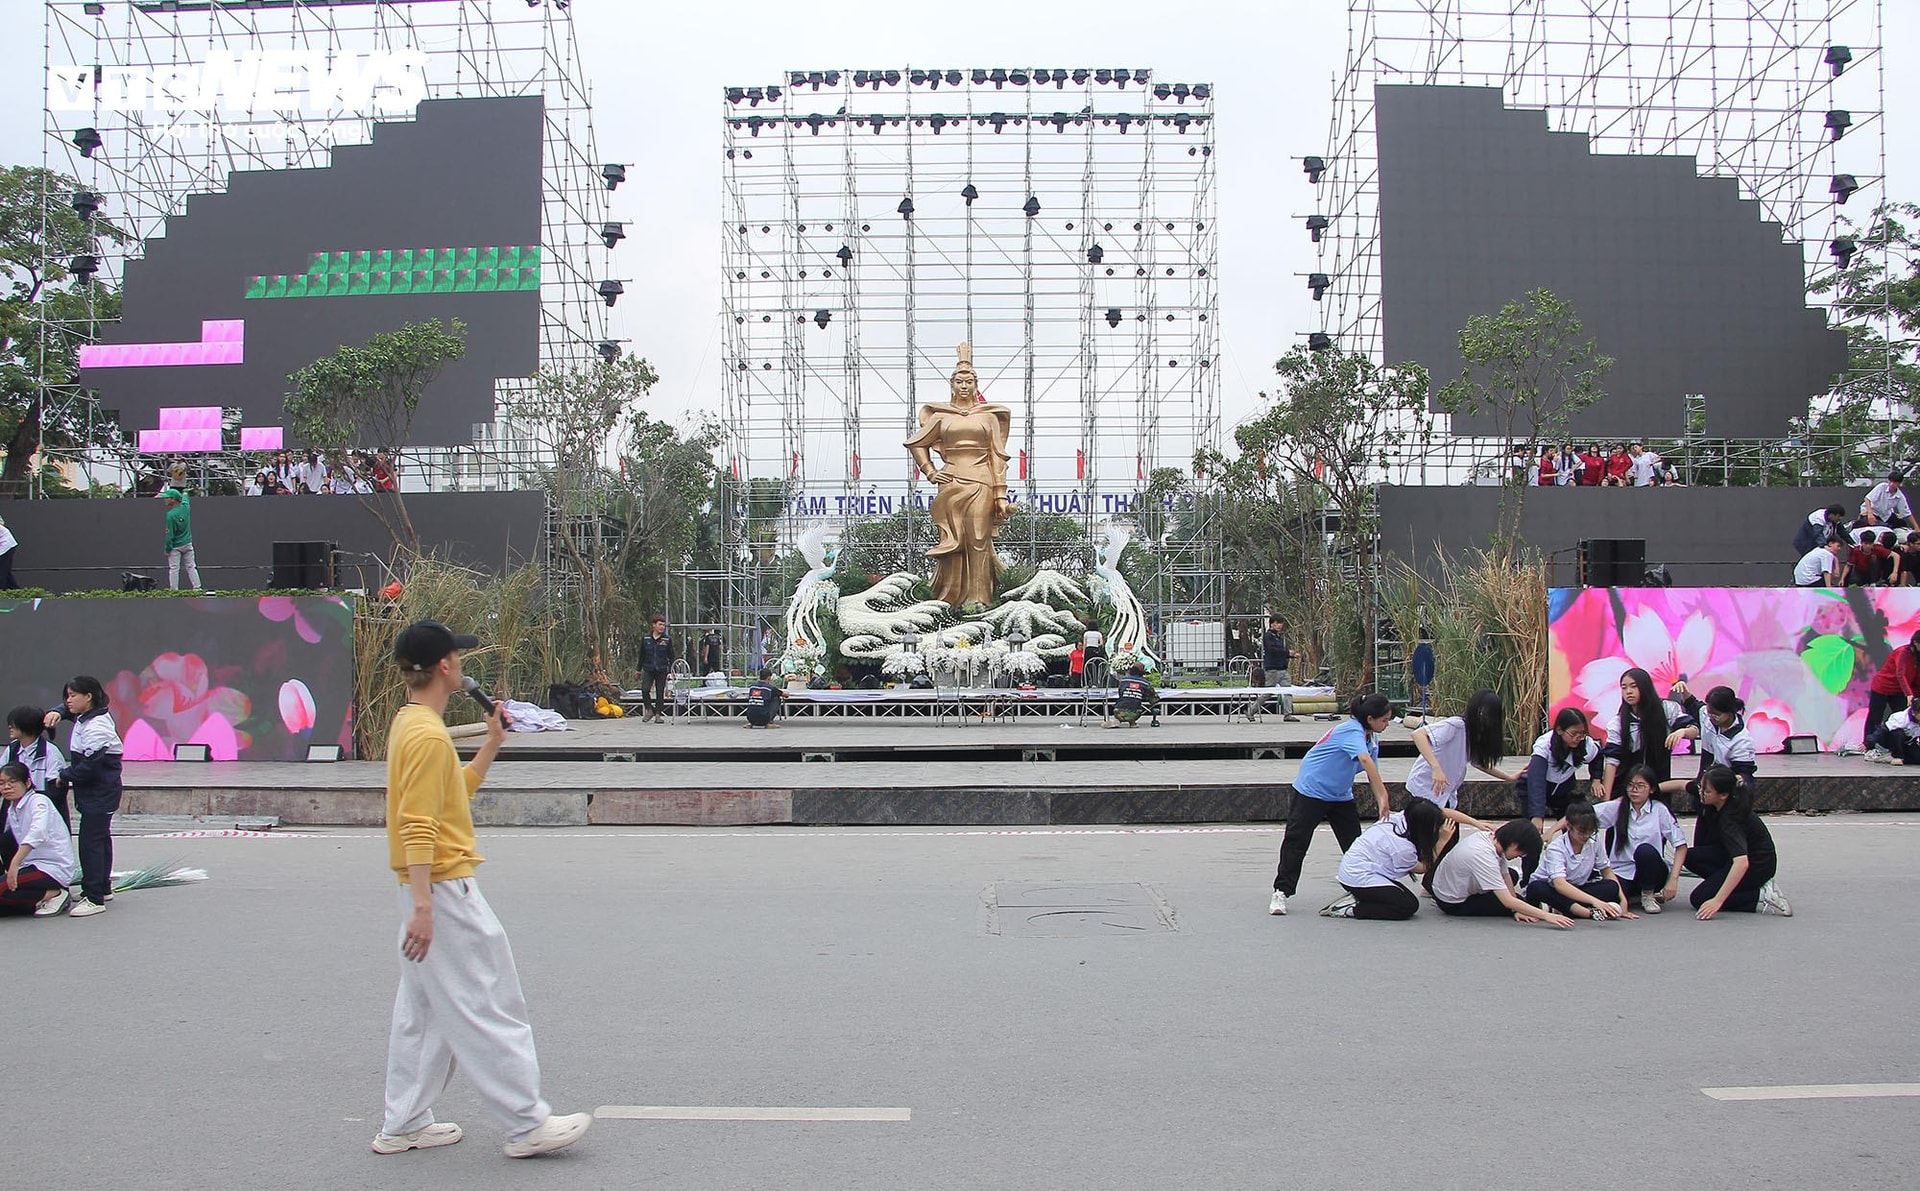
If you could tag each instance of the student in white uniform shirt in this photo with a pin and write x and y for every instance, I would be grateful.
(1645, 732)
(1721, 729)
(1643, 466)
(1823, 566)
(1385, 854)
(1472, 881)
(1552, 779)
(1886, 504)
(1638, 855)
(1447, 747)
(41, 867)
(1574, 876)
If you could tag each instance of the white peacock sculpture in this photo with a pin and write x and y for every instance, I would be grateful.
(1129, 631)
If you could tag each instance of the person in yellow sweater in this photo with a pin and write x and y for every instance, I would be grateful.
(459, 1000)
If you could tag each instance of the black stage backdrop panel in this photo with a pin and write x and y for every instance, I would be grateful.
(253, 679)
(1706, 537)
(1676, 276)
(463, 177)
(82, 545)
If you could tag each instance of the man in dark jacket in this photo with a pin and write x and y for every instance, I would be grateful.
(1276, 660)
(710, 652)
(656, 660)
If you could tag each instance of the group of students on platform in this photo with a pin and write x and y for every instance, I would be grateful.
(36, 779)
(1597, 836)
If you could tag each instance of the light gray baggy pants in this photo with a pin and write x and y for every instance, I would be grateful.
(461, 1007)
(175, 558)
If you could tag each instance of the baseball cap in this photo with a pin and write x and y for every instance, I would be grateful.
(422, 644)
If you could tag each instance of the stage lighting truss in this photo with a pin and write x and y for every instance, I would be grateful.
(1061, 220)
(137, 168)
(1759, 92)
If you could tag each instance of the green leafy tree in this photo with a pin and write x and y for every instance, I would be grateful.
(663, 505)
(46, 313)
(1868, 423)
(366, 396)
(1317, 452)
(1530, 370)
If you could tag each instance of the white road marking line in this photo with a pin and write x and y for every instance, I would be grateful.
(1816, 1091)
(657, 1112)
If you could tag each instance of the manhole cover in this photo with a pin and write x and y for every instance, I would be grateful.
(1076, 911)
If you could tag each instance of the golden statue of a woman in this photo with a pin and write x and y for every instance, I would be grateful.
(971, 501)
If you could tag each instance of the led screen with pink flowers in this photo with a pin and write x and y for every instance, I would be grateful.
(252, 678)
(1801, 657)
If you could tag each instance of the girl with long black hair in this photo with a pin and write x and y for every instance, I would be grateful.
(1637, 849)
(1386, 853)
(1552, 779)
(1721, 728)
(93, 775)
(1733, 852)
(1476, 737)
(1323, 789)
(1645, 732)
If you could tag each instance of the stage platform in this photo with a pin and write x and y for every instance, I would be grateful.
(701, 702)
(912, 787)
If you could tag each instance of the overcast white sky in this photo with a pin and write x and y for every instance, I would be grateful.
(658, 69)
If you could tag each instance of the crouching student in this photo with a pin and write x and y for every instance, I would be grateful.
(1893, 742)
(1133, 697)
(1574, 876)
(42, 863)
(1721, 728)
(1732, 852)
(1471, 880)
(763, 702)
(1638, 853)
(1386, 853)
(1552, 779)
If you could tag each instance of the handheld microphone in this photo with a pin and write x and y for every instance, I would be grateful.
(479, 696)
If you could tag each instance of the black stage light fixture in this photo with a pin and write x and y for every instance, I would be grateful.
(331, 752)
(1103, 77)
(84, 267)
(906, 207)
(821, 318)
(94, 9)
(1837, 56)
(609, 350)
(1838, 121)
(85, 203)
(1319, 341)
(1202, 90)
(846, 256)
(1031, 206)
(611, 291)
(612, 233)
(87, 140)
(614, 173)
(1656, 576)
(1113, 316)
(969, 192)
(193, 752)
(1095, 254)
(1314, 167)
(1842, 187)
(1318, 283)
(1317, 224)
(1842, 250)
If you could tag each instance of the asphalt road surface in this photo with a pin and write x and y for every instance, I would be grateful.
(1047, 1008)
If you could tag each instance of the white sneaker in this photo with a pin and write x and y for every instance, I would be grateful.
(556, 1134)
(52, 904)
(1339, 907)
(440, 1133)
(1879, 756)
(1649, 902)
(86, 909)
(1279, 903)
(1772, 901)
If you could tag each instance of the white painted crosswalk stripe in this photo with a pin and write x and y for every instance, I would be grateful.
(658, 1112)
(1816, 1091)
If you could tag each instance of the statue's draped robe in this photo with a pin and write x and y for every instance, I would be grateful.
(972, 444)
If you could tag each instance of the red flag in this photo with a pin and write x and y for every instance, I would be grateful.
(1319, 468)
(856, 465)
(1139, 467)
(1080, 464)
(796, 464)
(736, 468)
(1023, 463)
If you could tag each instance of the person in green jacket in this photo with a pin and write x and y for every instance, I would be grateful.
(179, 539)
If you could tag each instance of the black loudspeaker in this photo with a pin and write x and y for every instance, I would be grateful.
(1613, 562)
(306, 565)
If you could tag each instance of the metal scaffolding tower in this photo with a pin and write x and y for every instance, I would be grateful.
(152, 101)
(1785, 97)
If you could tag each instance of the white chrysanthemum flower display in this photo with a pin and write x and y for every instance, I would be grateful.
(1049, 586)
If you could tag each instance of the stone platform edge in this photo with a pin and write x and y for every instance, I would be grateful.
(957, 806)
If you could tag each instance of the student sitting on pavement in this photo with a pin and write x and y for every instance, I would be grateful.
(1574, 876)
(1133, 696)
(1472, 880)
(41, 866)
(763, 702)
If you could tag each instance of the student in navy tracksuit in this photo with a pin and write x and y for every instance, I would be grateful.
(1721, 728)
(1323, 789)
(763, 702)
(93, 777)
(1552, 779)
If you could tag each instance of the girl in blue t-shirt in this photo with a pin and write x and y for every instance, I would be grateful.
(1323, 790)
